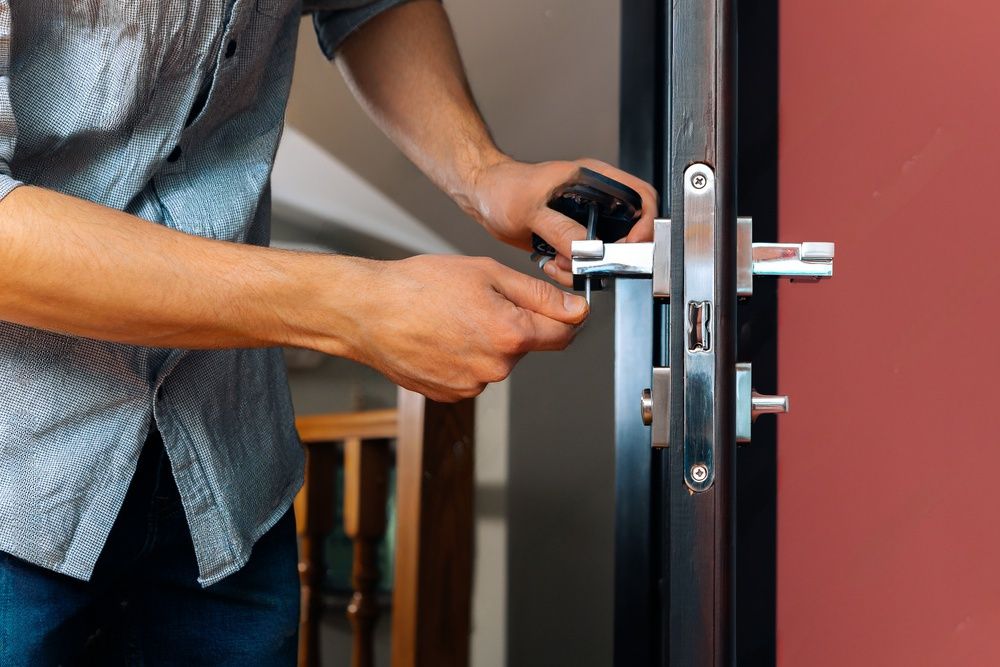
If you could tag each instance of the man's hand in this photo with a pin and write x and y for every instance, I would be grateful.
(510, 199)
(447, 326)
(434, 121)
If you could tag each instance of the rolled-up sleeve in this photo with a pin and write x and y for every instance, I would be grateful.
(8, 125)
(335, 20)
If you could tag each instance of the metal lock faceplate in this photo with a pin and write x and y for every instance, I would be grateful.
(700, 355)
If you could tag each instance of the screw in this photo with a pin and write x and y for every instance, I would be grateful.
(699, 181)
(699, 472)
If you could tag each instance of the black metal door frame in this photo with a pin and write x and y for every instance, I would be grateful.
(694, 579)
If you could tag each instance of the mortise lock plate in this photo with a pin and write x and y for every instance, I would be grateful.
(798, 262)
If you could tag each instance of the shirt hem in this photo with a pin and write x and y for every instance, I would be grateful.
(241, 557)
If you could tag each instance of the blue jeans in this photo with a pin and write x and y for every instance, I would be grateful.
(143, 605)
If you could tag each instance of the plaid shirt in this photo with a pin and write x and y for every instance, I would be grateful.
(170, 110)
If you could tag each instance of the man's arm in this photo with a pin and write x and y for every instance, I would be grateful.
(444, 326)
(75, 267)
(405, 69)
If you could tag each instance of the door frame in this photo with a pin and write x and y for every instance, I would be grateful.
(689, 565)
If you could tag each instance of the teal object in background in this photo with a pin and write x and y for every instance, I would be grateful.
(338, 550)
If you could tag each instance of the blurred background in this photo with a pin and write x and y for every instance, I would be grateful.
(885, 544)
(545, 76)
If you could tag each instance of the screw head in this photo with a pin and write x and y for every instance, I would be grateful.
(699, 181)
(699, 472)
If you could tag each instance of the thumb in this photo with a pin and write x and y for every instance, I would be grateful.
(541, 297)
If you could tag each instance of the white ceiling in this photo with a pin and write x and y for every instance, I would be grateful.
(313, 189)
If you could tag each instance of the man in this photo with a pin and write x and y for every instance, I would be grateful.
(147, 453)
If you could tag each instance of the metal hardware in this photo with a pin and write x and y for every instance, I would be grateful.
(700, 297)
(588, 249)
(700, 326)
(744, 406)
(810, 261)
(767, 405)
(750, 404)
(596, 259)
(699, 472)
(744, 257)
(661, 259)
(591, 230)
(660, 396)
(646, 406)
(801, 262)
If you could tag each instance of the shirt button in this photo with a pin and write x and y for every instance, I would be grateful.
(174, 154)
(231, 48)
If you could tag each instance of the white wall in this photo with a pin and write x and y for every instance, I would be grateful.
(489, 593)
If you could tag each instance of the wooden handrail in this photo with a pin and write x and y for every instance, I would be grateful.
(314, 520)
(431, 599)
(434, 501)
(365, 437)
(337, 427)
(366, 482)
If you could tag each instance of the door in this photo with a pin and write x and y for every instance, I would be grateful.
(865, 535)
(694, 513)
(888, 540)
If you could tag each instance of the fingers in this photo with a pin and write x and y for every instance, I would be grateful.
(540, 297)
(557, 273)
(545, 335)
(558, 174)
(650, 199)
(559, 231)
(641, 232)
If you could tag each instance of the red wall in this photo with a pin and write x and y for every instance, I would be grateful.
(889, 463)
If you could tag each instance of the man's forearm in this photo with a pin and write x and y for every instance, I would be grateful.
(75, 267)
(444, 326)
(404, 68)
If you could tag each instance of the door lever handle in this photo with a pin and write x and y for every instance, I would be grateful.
(810, 261)
(762, 404)
(655, 405)
(750, 404)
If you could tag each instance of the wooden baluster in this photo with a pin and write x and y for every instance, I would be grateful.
(314, 519)
(434, 505)
(366, 478)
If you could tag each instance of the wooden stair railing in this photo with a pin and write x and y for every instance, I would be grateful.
(434, 499)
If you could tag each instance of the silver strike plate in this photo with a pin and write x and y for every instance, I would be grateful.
(699, 353)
